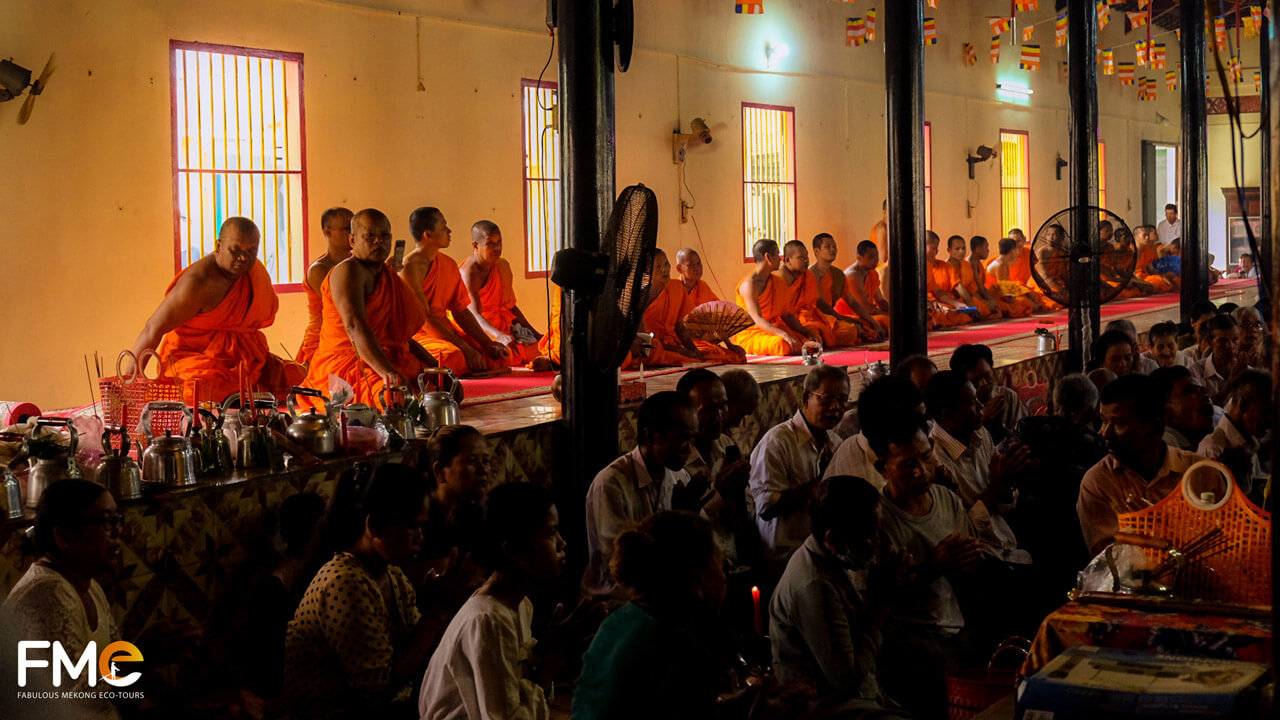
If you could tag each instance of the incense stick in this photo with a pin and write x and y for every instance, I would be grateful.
(89, 378)
(286, 352)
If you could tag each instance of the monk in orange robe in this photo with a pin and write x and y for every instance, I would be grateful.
(880, 235)
(975, 281)
(966, 289)
(1013, 262)
(549, 345)
(862, 295)
(1020, 272)
(1149, 252)
(211, 322)
(336, 225)
(460, 345)
(764, 296)
(370, 316)
(942, 280)
(689, 268)
(492, 296)
(673, 343)
(801, 292)
(1118, 252)
(848, 329)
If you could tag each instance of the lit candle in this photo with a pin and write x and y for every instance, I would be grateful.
(755, 602)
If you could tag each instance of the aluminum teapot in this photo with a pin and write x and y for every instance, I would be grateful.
(439, 407)
(398, 418)
(116, 471)
(212, 445)
(315, 432)
(169, 459)
(234, 416)
(46, 471)
(870, 373)
(1046, 342)
(811, 353)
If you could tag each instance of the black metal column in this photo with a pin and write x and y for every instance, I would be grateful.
(1195, 198)
(590, 437)
(904, 120)
(1271, 173)
(1264, 242)
(1084, 317)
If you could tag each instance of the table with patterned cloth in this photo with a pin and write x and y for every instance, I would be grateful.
(1174, 633)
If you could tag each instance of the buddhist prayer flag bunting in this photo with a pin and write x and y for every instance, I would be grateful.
(1220, 33)
(871, 24)
(1137, 19)
(1027, 32)
(1171, 80)
(933, 3)
(1126, 73)
(855, 32)
(749, 7)
(1060, 31)
(1237, 70)
(1255, 14)
(1158, 56)
(930, 32)
(1140, 49)
(995, 49)
(1142, 4)
(1115, 2)
(998, 24)
(1108, 62)
(1147, 89)
(970, 55)
(1257, 81)
(1027, 4)
(1104, 14)
(1030, 59)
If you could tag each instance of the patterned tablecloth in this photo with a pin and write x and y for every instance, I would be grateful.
(1212, 636)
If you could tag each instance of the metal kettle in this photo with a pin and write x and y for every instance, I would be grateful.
(313, 431)
(811, 353)
(169, 459)
(116, 471)
(439, 407)
(211, 443)
(397, 418)
(1046, 342)
(46, 471)
(12, 494)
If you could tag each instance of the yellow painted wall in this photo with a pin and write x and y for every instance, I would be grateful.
(87, 185)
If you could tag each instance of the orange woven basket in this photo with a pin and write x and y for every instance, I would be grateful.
(969, 692)
(1240, 574)
(124, 397)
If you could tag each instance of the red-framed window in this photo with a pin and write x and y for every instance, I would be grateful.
(239, 148)
(928, 176)
(1102, 176)
(1015, 181)
(543, 226)
(768, 174)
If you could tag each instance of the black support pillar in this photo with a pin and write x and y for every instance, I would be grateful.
(1271, 173)
(590, 439)
(904, 120)
(1084, 316)
(1264, 243)
(1195, 198)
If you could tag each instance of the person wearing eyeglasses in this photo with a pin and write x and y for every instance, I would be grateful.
(1253, 350)
(789, 460)
(58, 599)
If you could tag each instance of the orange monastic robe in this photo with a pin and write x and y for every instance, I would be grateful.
(1021, 270)
(660, 318)
(700, 294)
(497, 298)
(844, 332)
(755, 339)
(1114, 258)
(212, 347)
(942, 277)
(549, 345)
(870, 289)
(802, 301)
(970, 282)
(311, 333)
(1148, 254)
(446, 294)
(394, 315)
(975, 276)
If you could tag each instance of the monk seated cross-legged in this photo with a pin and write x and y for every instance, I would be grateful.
(974, 278)
(966, 289)
(1009, 274)
(764, 296)
(673, 343)
(211, 322)
(698, 292)
(944, 310)
(862, 294)
(1117, 252)
(488, 280)
(336, 225)
(460, 345)
(848, 330)
(801, 292)
(370, 316)
(1148, 252)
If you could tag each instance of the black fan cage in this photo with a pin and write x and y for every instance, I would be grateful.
(1103, 252)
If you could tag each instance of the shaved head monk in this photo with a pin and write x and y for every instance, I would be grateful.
(370, 316)
(942, 280)
(460, 345)
(880, 232)
(689, 268)
(211, 320)
(668, 305)
(976, 280)
(335, 223)
(968, 290)
(802, 292)
(763, 295)
(832, 288)
(491, 291)
(863, 296)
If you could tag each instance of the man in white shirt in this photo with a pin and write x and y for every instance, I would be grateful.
(788, 461)
(1188, 412)
(1170, 228)
(1164, 352)
(878, 404)
(1218, 362)
(637, 484)
(1235, 441)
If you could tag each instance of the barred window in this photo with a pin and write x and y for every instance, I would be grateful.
(543, 229)
(1015, 181)
(768, 174)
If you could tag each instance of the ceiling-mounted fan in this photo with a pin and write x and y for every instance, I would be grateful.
(14, 79)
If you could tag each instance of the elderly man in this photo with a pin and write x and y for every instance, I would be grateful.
(335, 223)
(764, 296)
(862, 296)
(1139, 470)
(879, 404)
(790, 458)
(1188, 412)
(1164, 352)
(689, 268)
(1001, 406)
(1247, 419)
(370, 316)
(211, 322)
(490, 289)
(637, 484)
(744, 396)
(434, 277)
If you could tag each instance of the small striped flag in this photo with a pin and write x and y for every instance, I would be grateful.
(930, 32)
(1026, 4)
(1138, 19)
(998, 24)
(1027, 32)
(1142, 4)
(855, 32)
(1115, 2)
(1220, 33)
(1171, 80)
(1140, 49)
(1108, 62)
(995, 49)
(933, 3)
(749, 7)
(970, 55)
(1126, 73)
(1237, 70)
(1257, 81)
(1104, 14)
(1030, 59)
(1158, 56)
(1060, 31)
(871, 24)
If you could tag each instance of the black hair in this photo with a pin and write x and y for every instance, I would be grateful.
(899, 428)
(944, 391)
(791, 246)
(866, 246)
(954, 237)
(423, 220)
(762, 248)
(1227, 308)
(62, 505)
(1109, 339)
(1246, 255)
(513, 515)
(1200, 308)
(395, 496)
(446, 443)
(845, 504)
(884, 398)
(663, 558)
(1140, 390)
(660, 413)
(332, 212)
(977, 241)
(1006, 245)
(298, 516)
(907, 365)
(1171, 206)
(1251, 384)
(817, 240)
(967, 356)
(1219, 322)
(1164, 378)
(1162, 329)
(694, 378)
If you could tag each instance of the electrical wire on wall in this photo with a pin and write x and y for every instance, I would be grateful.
(546, 278)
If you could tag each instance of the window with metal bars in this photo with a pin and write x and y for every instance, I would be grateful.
(928, 176)
(239, 149)
(768, 174)
(1102, 177)
(543, 229)
(1015, 181)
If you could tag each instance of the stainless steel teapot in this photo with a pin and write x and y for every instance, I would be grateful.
(46, 471)
(116, 471)
(314, 431)
(439, 407)
(212, 446)
(169, 459)
(396, 417)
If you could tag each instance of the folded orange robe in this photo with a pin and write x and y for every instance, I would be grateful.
(870, 290)
(756, 340)
(843, 332)
(212, 348)
(700, 294)
(311, 333)
(975, 277)
(942, 277)
(802, 301)
(497, 298)
(660, 318)
(394, 315)
(1147, 255)
(446, 294)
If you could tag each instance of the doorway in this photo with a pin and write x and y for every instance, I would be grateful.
(1159, 179)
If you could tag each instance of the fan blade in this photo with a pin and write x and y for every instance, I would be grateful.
(38, 86)
(25, 112)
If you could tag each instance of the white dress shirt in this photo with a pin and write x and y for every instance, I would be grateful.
(856, 458)
(1215, 384)
(786, 458)
(1168, 232)
(1226, 436)
(622, 494)
(970, 466)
